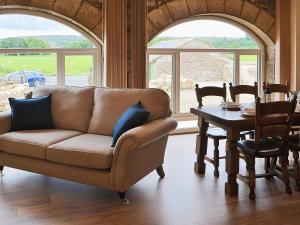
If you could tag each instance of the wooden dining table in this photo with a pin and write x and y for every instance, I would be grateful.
(234, 123)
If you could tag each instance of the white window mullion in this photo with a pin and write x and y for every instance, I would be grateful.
(60, 68)
(236, 73)
(176, 75)
(261, 76)
(97, 81)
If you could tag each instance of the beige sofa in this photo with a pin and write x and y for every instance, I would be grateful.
(79, 149)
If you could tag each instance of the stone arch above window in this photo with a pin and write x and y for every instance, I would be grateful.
(85, 13)
(257, 17)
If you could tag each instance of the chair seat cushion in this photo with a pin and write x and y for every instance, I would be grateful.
(33, 143)
(86, 150)
(216, 133)
(268, 148)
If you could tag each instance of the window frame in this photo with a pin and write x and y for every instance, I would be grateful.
(61, 53)
(97, 52)
(175, 53)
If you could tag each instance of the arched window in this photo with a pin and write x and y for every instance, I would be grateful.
(37, 51)
(207, 52)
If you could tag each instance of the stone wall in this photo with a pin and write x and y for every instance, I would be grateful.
(10, 89)
(201, 68)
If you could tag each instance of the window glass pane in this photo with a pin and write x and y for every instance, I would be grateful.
(248, 74)
(205, 69)
(79, 70)
(29, 32)
(204, 34)
(20, 73)
(160, 72)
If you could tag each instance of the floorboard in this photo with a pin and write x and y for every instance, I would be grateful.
(181, 198)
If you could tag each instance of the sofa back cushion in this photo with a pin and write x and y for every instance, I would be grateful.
(111, 103)
(71, 106)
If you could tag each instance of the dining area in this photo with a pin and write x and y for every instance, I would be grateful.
(262, 126)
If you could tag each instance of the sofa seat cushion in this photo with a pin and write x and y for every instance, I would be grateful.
(86, 150)
(33, 143)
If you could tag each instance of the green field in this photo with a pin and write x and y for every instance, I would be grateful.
(47, 64)
(248, 58)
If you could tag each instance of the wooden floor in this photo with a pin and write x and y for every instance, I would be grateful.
(181, 198)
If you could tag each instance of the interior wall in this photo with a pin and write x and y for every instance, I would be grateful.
(295, 30)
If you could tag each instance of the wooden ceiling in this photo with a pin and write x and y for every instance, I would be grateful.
(97, 3)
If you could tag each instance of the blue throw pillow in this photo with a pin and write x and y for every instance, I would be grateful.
(133, 117)
(31, 114)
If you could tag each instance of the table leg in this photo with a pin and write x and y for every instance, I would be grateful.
(201, 146)
(232, 162)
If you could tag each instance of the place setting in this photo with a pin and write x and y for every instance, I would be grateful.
(246, 110)
(231, 106)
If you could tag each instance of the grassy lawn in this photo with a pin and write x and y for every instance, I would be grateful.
(245, 58)
(75, 65)
(248, 58)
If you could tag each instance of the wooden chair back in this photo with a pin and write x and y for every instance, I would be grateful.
(210, 91)
(278, 88)
(273, 120)
(243, 89)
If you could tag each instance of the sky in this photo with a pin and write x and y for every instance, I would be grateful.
(204, 28)
(16, 25)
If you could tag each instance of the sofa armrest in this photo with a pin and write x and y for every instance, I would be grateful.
(5, 120)
(140, 151)
(145, 134)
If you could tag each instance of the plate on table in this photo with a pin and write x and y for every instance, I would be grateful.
(231, 105)
(249, 112)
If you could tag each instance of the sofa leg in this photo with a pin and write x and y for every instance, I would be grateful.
(160, 171)
(123, 200)
(1, 171)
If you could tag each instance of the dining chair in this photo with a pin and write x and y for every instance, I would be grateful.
(272, 127)
(294, 146)
(278, 88)
(216, 134)
(243, 89)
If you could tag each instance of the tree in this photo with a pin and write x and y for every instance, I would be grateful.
(80, 44)
(17, 42)
(13, 43)
(36, 43)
